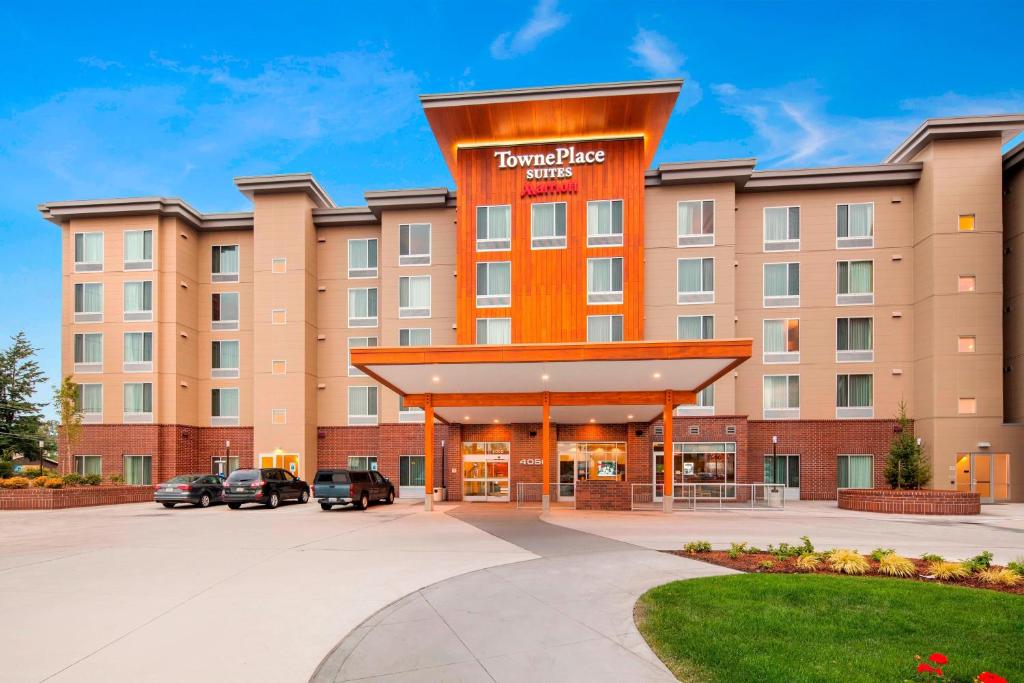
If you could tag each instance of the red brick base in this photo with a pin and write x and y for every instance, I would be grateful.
(922, 502)
(76, 497)
(603, 495)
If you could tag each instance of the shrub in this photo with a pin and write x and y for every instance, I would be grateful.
(847, 561)
(73, 479)
(932, 557)
(697, 547)
(15, 483)
(737, 549)
(892, 564)
(92, 480)
(33, 472)
(1017, 566)
(6, 468)
(948, 571)
(878, 553)
(53, 483)
(39, 481)
(979, 562)
(116, 479)
(999, 577)
(765, 565)
(808, 561)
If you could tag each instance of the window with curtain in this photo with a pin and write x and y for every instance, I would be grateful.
(855, 220)
(225, 355)
(225, 259)
(604, 328)
(494, 330)
(89, 348)
(138, 397)
(138, 248)
(362, 463)
(362, 304)
(138, 347)
(90, 398)
(362, 402)
(547, 225)
(362, 258)
(414, 337)
(89, 297)
(695, 327)
(695, 217)
(88, 464)
(781, 337)
(781, 392)
(493, 283)
(224, 403)
(855, 277)
(604, 222)
(414, 240)
(414, 296)
(782, 227)
(855, 472)
(89, 248)
(706, 397)
(695, 276)
(854, 334)
(493, 228)
(138, 470)
(781, 280)
(138, 297)
(604, 280)
(358, 343)
(225, 307)
(854, 391)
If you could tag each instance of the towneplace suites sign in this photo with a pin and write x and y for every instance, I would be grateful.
(555, 169)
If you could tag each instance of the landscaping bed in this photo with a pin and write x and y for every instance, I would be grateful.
(47, 490)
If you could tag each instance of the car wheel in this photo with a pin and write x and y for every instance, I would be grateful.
(168, 505)
(234, 506)
(205, 500)
(273, 501)
(325, 506)
(391, 497)
(364, 501)
(304, 497)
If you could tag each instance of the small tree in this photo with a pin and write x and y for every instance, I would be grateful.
(69, 415)
(906, 467)
(20, 415)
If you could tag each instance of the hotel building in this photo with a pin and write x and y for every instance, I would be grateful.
(531, 329)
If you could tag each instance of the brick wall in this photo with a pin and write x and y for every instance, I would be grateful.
(83, 496)
(603, 495)
(925, 502)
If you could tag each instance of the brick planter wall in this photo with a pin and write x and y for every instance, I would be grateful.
(603, 495)
(74, 497)
(922, 502)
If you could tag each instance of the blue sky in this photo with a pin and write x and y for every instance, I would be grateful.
(108, 99)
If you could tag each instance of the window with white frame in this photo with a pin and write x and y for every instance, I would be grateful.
(224, 312)
(225, 359)
(854, 340)
(414, 296)
(409, 413)
(138, 301)
(138, 470)
(88, 252)
(365, 463)
(90, 401)
(362, 307)
(419, 336)
(695, 223)
(362, 405)
(782, 228)
(604, 223)
(604, 328)
(88, 352)
(695, 280)
(855, 283)
(696, 327)
(494, 330)
(358, 343)
(138, 402)
(414, 244)
(279, 265)
(494, 228)
(224, 267)
(782, 341)
(855, 225)
(855, 472)
(362, 258)
(279, 416)
(781, 397)
(604, 280)
(781, 285)
(547, 225)
(138, 249)
(88, 302)
(138, 352)
(224, 407)
(86, 465)
(854, 396)
(493, 284)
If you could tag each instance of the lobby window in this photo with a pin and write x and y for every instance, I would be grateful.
(604, 328)
(358, 343)
(419, 336)
(88, 464)
(224, 315)
(90, 400)
(856, 472)
(493, 283)
(967, 406)
(138, 402)
(279, 416)
(604, 223)
(362, 307)
(88, 302)
(88, 252)
(279, 266)
(224, 407)
(695, 281)
(364, 463)
(138, 352)
(782, 228)
(414, 296)
(695, 327)
(695, 223)
(494, 330)
(138, 301)
(414, 244)
(854, 340)
(782, 341)
(854, 396)
(965, 223)
(224, 363)
(855, 283)
(547, 225)
(362, 258)
(138, 470)
(279, 316)
(362, 405)
(855, 225)
(138, 249)
(966, 283)
(966, 343)
(494, 228)
(278, 367)
(604, 280)
(781, 285)
(781, 397)
(88, 352)
(225, 263)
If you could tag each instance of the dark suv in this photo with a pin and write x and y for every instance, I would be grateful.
(267, 486)
(359, 487)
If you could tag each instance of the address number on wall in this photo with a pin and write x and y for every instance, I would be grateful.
(531, 461)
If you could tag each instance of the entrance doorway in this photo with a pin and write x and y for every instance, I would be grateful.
(485, 466)
(785, 470)
(411, 476)
(286, 461)
(987, 474)
(598, 460)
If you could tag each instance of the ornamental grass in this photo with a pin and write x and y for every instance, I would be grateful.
(996, 576)
(847, 561)
(808, 561)
(948, 571)
(892, 564)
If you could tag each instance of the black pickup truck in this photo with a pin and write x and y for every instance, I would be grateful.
(356, 487)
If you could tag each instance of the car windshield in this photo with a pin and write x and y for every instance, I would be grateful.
(244, 475)
(181, 479)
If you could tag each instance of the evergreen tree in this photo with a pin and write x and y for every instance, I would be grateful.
(906, 467)
(21, 419)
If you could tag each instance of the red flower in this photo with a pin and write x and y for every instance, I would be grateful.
(989, 677)
(923, 667)
(938, 658)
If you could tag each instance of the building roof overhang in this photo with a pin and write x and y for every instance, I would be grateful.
(1013, 160)
(1003, 126)
(278, 183)
(62, 211)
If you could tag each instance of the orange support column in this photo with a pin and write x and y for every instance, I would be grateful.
(667, 454)
(545, 450)
(428, 453)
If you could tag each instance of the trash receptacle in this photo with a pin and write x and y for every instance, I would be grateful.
(439, 494)
(775, 496)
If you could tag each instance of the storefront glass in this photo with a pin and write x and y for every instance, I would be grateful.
(485, 470)
(698, 463)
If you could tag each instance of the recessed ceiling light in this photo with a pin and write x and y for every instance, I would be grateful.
(545, 377)
(657, 375)
(495, 420)
(435, 378)
(629, 417)
(465, 417)
(593, 420)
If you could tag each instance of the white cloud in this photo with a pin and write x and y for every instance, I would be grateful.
(657, 54)
(100, 63)
(545, 20)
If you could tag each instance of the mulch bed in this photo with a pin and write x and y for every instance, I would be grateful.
(752, 563)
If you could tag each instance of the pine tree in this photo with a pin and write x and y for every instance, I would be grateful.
(21, 419)
(906, 467)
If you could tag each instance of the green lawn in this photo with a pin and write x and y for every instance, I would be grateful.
(805, 627)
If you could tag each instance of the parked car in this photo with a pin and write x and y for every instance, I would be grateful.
(357, 487)
(267, 486)
(198, 489)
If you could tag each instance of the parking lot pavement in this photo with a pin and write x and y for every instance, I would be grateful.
(140, 593)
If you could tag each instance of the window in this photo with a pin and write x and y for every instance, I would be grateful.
(695, 223)
(278, 367)
(695, 327)
(362, 258)
(89, 302)
(781, 285)
(279, 316)
(414, 297)
(218, 464)
(781, 397)
(358, 343)
(138, 249)
(224, 407)
(782, 468)
(604, 280)
(138, 352)
(493, 228)
(967, 406)
(604, 223)
(225, 263)
(365, 463)
(88, 252)
(138, 470)
(279, 266)
(699, 463)
(782, 228)
(854, 396)
(966, 344)
(89, 352)
(88, 464)
(695, 281)
(408, 413)
(90, 400)
(547, 225)
(856, 472)
(494, 330)
(855, 225)
(412, 472)
(414, 337)
(362, 405)
(279, 416)
(967, 283)
(604, 328)
(225, 359)
(138, 301)
(414, 244)
(782, 341)
(855, 283)
(965, 223)
(224, 315)
(362, 307)
(138, 402)
(493, 283)
(854, 342)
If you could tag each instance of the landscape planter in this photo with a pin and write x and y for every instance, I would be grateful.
(916, 502)
(34, 498)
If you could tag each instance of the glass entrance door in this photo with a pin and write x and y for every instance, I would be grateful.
(485, 468)
(987, 474)
(411, 476)
(785, 470)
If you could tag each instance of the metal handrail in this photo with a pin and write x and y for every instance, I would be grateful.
(690, 496)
